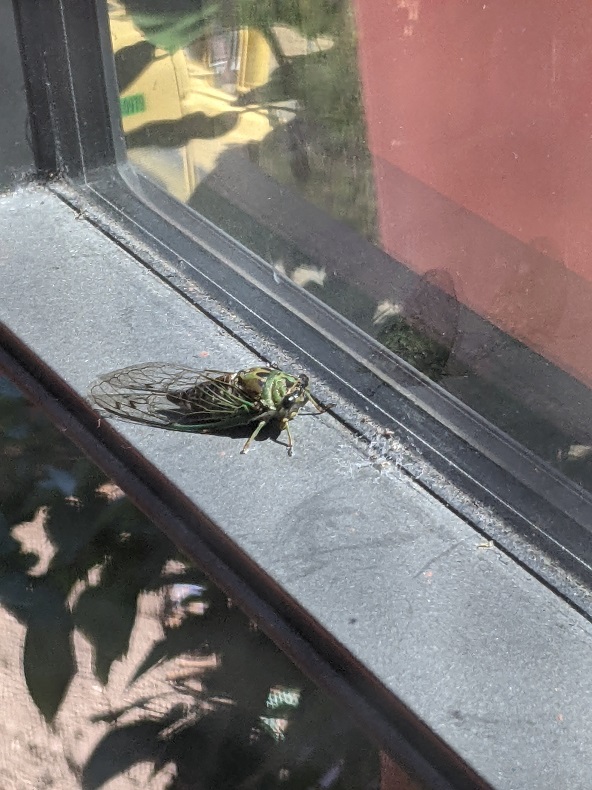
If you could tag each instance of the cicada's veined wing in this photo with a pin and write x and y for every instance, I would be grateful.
(175, 397)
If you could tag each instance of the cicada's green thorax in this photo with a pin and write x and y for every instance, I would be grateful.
(271, 388)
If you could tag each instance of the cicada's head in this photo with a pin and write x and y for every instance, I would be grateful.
(296, 398)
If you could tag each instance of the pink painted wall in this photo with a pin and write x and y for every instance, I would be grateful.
(479, 120)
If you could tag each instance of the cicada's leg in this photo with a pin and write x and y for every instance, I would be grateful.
(286, 426)
(318, 407)
(260, 425)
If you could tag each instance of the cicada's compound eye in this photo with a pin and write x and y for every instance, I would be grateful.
(290, 400)
(303, 378)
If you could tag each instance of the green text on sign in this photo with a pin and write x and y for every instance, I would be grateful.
(132, 105)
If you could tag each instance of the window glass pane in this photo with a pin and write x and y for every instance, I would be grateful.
(16, 154)
(421, 167)
(148, 674)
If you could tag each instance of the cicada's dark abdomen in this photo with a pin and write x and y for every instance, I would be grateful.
(203, 396)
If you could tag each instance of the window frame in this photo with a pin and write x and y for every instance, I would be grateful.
(79, 148)
(481, 474)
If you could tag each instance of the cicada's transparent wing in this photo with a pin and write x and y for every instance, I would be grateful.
(174, 397)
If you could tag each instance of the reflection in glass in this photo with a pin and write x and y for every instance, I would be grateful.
(146, 672)
(422, 168)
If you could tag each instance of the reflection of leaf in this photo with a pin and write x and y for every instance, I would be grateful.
(425, 332)
(106, 616)
(89, 479)
(311, 17)
(288, 81)
(115, 714)
(411, 344)
(176, 133)
(267, 666)
(131, 61)
(160, 651)
(179, 641)
(119, 750)
(11, 554)
(130, 563)
(17, 594)
(219, 751)
(69, 528)
(327, 737)
(48, 660)
(171, 26)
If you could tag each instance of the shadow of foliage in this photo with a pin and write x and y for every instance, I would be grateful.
(44, 479)
(234, 713)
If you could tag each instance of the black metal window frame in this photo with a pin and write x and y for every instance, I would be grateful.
(472, 470)
(77, 135)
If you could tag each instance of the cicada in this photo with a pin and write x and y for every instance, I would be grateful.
(204, 401)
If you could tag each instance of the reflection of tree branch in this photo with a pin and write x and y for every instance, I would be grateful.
(174, 134)
(274, 44)
(299, 161)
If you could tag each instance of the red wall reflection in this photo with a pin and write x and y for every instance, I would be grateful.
(479, 120)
